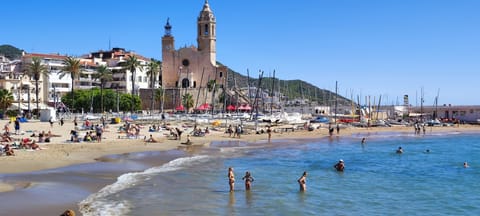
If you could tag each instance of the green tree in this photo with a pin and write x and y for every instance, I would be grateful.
(187, 101)
(153, 69)
(212, 84)
(36, 70)
(132, 64)
(104, 75)
(72, 67)
(6, 99)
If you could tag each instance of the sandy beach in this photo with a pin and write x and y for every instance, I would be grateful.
(60, 153)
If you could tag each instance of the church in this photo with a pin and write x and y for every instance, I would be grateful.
(191, 70)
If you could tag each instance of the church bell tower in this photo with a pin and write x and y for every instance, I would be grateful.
(206, 35)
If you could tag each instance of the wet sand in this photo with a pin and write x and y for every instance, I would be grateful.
(62, 174)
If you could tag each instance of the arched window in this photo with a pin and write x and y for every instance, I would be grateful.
(194, 84)
(221, 74)
(185, 83)
(206, 29)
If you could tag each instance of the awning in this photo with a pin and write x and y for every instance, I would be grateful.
(24, 106)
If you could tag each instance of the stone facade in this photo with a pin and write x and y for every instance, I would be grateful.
(189, 69)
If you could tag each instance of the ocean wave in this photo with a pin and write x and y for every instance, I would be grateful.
(100, 204)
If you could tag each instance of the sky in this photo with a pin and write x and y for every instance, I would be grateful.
(376, 48)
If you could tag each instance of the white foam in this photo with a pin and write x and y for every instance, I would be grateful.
(99, 203)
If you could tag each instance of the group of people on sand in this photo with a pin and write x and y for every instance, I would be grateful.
(235, 131)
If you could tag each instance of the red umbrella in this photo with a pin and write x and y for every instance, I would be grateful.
(204, 106)
(245, 107)
(231, 107)
(180, 108)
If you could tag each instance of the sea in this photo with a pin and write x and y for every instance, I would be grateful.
(376, 180)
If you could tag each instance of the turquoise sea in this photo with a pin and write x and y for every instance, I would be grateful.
(376, 181)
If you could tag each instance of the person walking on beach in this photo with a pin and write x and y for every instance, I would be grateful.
(61, 122)
(340, 166)
(338, 129)
(17, 126)
(248, 180)
(231, 179)
(302, 181)
(269, 132)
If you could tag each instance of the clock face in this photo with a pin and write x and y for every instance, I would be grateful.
(185, 62)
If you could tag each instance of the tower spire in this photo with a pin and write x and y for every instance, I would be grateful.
(168, 28)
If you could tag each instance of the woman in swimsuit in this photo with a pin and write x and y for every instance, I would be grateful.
(248, 180)
(302, 181)
(231, 178)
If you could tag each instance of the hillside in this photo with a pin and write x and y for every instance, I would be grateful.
(10, 52)
(292, 89)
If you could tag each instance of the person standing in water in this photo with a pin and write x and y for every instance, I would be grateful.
(302, 181)
(248, 180)
(231, 179)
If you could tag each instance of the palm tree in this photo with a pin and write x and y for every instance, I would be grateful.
(211, 85)
(132, 64)
(72, 67)
(6, 99)
(103, 74)
(153, 69)
(187, 101)
(35, 70)
(159, 97)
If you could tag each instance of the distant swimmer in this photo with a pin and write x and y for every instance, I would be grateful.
(399, 150)
(465, 164)
(340, 166)
(231, 179)
(302, 181)
(364, 140)
(248, 180)
(427, 151)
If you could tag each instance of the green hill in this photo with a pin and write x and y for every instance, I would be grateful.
(10, 52)
(291, 89)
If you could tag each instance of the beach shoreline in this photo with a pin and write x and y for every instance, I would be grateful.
(60, 154)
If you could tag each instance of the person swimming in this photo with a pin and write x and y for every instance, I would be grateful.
(399, 150)
(465, 164)
(364, 140)
(340, 166)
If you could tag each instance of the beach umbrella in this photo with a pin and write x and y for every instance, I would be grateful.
(231, 107)
(245, 107)
(180, 108)
(204, 106)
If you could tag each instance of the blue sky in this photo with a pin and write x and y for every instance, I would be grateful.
(374, 48)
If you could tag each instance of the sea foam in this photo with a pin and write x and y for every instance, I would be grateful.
(100, 204)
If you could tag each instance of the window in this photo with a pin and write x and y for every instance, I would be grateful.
(221, 74)
(206, 29)
(185, 83)
(139, 78)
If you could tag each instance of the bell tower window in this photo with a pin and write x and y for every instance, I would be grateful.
(206, 29)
